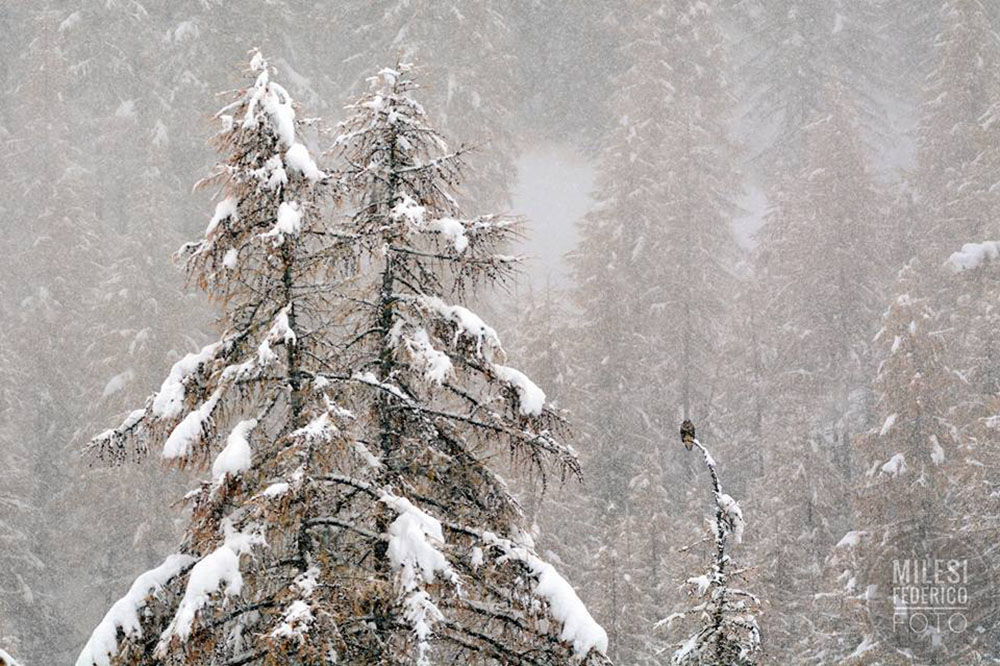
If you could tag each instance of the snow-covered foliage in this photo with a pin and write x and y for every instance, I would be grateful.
(916, 464)
(236, 456)
(578, 626)
(207, 576)
(829, 429)
(531, 399)
(411, 553)
(7, 660)
(124, 614)
(732, 515)
(973, 255)
(371, 400)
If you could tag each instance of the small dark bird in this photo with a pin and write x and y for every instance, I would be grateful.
(687, 434)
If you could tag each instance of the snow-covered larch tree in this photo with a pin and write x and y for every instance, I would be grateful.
(258, 256)
(955, 174)
(727, 633)
(347, 414)
(906, 467)
(819, 279)
(914, 434)
(432, 397)
(925, 465)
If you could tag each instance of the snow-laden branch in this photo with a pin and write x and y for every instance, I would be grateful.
(578, 626)
(729, 516)
(7, 660)
(123, 616)
(973, 255)
(218, 568)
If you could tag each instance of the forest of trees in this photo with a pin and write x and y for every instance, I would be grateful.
(344, 464)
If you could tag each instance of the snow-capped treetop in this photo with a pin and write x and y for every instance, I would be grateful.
(270, 165)
(467, 56)
(267, 217)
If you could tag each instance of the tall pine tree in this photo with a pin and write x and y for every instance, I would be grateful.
(819, 279)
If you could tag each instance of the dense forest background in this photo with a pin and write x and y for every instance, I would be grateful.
(778, 189)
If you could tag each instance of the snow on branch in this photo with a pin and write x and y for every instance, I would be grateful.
(388, 103)
(436, 365)
(578, 626)
(895, 466)
(733, 516)
(221, 566)
(168, 403)
(224, 210)
(102, 646)
(458, 233)
(288, 224)
(466, 322)
(370, 379)
(851, 539)
(298, 159)
(295, 622)
(273, 99)
(413, 539)
(7, 660)
(192, 429)
(320, 429)
(531, 399)
(235, 458)
(973, 255)
(114, 438)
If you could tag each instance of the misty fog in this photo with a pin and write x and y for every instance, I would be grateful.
(521, 332)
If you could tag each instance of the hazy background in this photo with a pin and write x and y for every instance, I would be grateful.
(720, 195)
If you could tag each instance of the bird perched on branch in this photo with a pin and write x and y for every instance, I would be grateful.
(687, 434)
